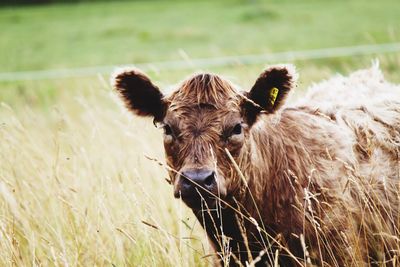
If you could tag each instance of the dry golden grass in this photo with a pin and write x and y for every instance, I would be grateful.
(76, 188)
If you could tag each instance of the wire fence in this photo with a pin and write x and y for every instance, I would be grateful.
(324, 53)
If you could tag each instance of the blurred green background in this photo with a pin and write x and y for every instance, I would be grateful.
(104, 33)
(54, 35)
(75, 34)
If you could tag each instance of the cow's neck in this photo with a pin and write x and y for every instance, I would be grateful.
(273, 163)
(276, 160)
(232, 231)
(226, 229)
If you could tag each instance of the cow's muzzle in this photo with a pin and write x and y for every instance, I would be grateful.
(197, 187)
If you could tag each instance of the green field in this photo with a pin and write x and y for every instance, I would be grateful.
(61, 36)
(75, 186)
(106, 33)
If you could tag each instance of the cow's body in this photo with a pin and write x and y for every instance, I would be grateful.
(318, 182)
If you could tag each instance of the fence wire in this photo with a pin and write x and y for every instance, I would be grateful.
(334, 52)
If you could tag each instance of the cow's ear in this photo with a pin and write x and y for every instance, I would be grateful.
(139, 93)
(270, 90)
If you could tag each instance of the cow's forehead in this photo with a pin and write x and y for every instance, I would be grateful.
(202, 90)
(190, 118)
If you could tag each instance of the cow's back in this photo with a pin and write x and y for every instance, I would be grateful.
(367, 108)
(366, 88)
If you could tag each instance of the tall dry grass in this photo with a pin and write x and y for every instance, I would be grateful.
(76, 187)
(77, 190)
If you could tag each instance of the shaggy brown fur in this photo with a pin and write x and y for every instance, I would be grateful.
(317, 182)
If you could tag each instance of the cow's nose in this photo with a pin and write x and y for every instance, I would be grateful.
(198, 178)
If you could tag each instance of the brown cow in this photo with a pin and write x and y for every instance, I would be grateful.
(316, 183)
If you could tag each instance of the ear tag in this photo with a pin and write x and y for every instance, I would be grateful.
(273, 95)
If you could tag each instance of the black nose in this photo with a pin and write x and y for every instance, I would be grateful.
(200, 179)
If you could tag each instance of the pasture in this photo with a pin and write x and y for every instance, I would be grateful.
(80, 178)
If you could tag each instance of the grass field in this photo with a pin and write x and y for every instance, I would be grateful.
(76, 188)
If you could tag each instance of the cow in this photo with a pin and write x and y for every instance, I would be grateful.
(314, 183)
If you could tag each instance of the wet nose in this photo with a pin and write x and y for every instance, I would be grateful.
(199, 178)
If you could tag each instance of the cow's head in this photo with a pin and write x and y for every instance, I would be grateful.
(201, 119)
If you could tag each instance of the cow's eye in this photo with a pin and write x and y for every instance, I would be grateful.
(237, 129)
(167, 129)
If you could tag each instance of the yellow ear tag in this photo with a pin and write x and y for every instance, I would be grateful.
(273, 95)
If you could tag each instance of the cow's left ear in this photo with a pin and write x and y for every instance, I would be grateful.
(140, 95)
(270, 90)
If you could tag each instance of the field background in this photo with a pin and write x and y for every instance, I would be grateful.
(76, 187)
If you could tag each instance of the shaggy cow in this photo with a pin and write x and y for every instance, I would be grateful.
(316, 183)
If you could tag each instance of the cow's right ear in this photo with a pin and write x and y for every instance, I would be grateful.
(269, 92)
(139, 93)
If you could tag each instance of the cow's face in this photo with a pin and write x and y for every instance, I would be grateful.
(204, 121)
